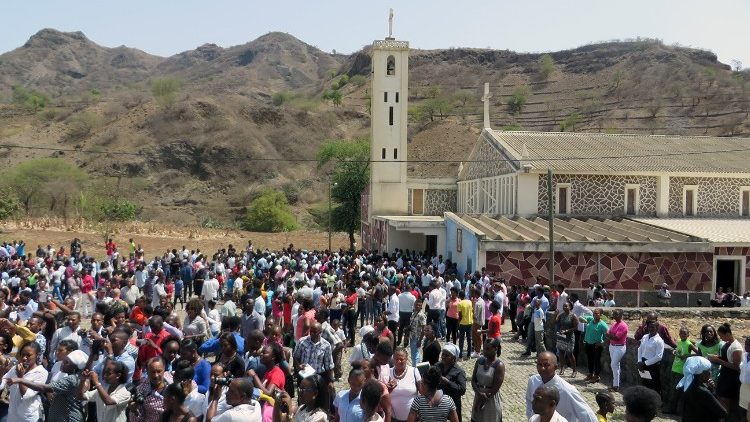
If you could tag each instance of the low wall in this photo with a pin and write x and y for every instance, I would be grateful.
(632, 298)
(628, 368)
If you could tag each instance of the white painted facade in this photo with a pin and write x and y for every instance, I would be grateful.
(388, 152)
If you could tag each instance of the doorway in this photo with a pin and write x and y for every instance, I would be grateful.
(729, 274)
(431, 244)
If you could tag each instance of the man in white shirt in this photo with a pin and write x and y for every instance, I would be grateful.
(239, 396)
(572, 406)
(66, 332)
(405, 308)
(393, 309)
(210, 288)
(650, 353)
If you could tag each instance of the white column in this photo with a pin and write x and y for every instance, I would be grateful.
(662, 195)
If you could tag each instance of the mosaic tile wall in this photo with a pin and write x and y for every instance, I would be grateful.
(600, 194)
(738, 251)
(716, 196)
(489, 162)
(638, 271)
(437, 201)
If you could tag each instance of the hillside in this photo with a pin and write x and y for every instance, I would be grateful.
(253, 115)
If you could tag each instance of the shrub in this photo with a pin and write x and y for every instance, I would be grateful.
(517, 100)
(280, 98)
(29, 99)
(334, 95)
(358, 80)
(270, 213)
(9, 203)
(81, 126)
(546, 66)
(570, 122)
(165, 91)
(118, 210)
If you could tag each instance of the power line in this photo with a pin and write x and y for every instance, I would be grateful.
(433, 161)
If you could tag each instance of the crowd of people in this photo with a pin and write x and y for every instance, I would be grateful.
(245, 334)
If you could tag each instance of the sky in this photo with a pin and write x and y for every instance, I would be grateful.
(166, 27)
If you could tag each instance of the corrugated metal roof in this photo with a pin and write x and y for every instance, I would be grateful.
(572, 229)
(726, 230)
(597, 152)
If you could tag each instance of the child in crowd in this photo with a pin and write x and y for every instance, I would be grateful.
(606, 402)
(685, 348)
(336, 325)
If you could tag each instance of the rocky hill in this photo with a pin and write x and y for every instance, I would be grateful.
(253, 115)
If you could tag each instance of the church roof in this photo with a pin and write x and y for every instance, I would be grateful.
(577, 234)
(597, 152)
(716, 230)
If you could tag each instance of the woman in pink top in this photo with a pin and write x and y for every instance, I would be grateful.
(451, 317)
(617, 335)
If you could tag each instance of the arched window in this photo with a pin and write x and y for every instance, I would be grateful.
(390, 67)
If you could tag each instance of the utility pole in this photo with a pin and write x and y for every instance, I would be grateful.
(329, 214)
(551, 216)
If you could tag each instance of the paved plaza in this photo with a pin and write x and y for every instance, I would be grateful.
(518, 370)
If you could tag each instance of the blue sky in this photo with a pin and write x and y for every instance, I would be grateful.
(167, 27)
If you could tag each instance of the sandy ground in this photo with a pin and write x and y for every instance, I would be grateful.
(156, 239)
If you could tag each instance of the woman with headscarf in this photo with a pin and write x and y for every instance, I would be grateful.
(699, 403)
(453, 378)
(488, 377)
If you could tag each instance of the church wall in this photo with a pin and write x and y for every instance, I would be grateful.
(617, 271)
(487, 162)
(438, 201)
(600, 194)
(463, 252)
(717, 196)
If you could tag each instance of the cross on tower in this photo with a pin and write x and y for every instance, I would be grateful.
(486, 100)
(390, 23)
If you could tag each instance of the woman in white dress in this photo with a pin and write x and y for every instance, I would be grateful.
(402, 385)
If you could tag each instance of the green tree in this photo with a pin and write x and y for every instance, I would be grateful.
(431, 108)
(270, 212)
(29, 99)
(358, 80)
(348, 160)
(546, 66)
(570, 122)
(517, 100)
(46, 179)
(165, 91)
(9, 204)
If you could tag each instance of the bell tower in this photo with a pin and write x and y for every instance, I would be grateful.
(390, 93)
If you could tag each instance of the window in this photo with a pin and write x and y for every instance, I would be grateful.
(385, 97)
(459, 240)
(397, 97)
(390, 116)
(632, 199)
(745, 201)
(689, 200)
(390, 66)
(563, 198)
(382, 154)
(417, 201)
(395, 153)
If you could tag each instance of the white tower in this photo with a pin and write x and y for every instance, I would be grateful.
(390, 93)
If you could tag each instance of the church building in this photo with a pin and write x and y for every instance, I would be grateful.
(629, 211)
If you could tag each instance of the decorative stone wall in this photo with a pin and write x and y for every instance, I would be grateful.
(717, 196)
(438, 201)
(637, 271)
(487, 162)
(600, 194)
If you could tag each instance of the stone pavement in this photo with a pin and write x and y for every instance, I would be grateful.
(513, 391)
